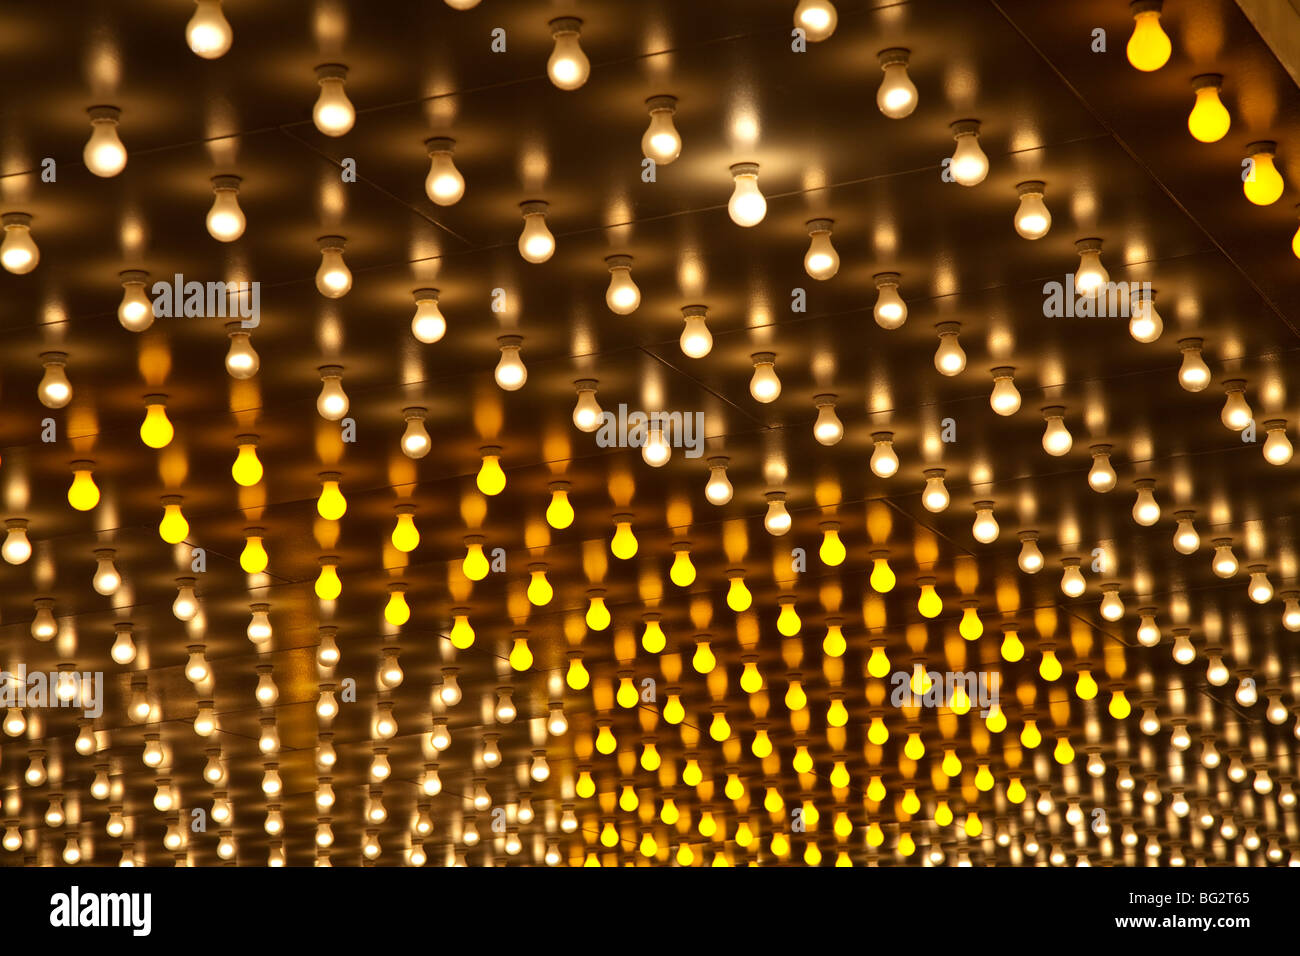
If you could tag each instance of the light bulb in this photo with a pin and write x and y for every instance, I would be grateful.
(428, 325)
(333, 277)
(444, 185)
(196, 667)
(1209, 119)
(253, 559)
(1259, 588)
(832, 551)
(890, 311)
(821, 261)
(259, 623)
(1072, 581)
(331, 505)
(739, 597)
(935, 497)
(985, 529)
(928, 603)
(54, 390)
(1224, 562)
(764, 386)
(104, 154)
(559, 513)
(882, 578)
(1277, 447)
(661, 141)
(510, 372)
(17, 548)
(827, 429)
(18, 252)
(1005, 398)
(1148, 633)
(598, 616)
(1056, 437)
(656, 451)
(1186, 540)
(186, 605)
(1148, 48)
(718, 488)
(328, 585)
(1236, 412)
(225, 220)
(247, 467)
(747, 207)
(884, 460)
(135, 311)
(949, 358)
(397, 612)
(333, 113)
(266, 692)
(1032, 220)
(777, 521)
(415, 439)
(1031, 558)
(696, 340)
(896, 96)
(123, 650)
(653, 638)
(106, 580)
(623, 544)
(567, 66)
(817, 19)
(405, 536)
(1146, 510)
(682, 571)
(1193, 374)
(536, 243)
(208, 31)
(242, 361)
(173, 528)
(44, 626)
(491, 478)
(968, 164)
(475, 563)
(1101, 476)
(1112, 608)
(622, 297)
(1144, 324)
(332, 402)
(1091, 277)
(156, 430)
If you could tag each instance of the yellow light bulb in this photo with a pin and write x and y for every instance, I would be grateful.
(405, 537)
(973, 825)
(1148, 48)
(951, 763)
(751, 681)
(606, 742)
(1295, 244)
(719, 729)
(943, 814)
(959, 701)
(559, 513)
(1119, 706)
(744, 835)
(795, 698)
(914, 748)
(475, 564)
(882, 578)
(173, 528)
(462, 633)
(834, 644)
(704, 660)
(929, 603)
(598, 617)
(577, 676)
(156, 430)
(1063, 753)
(906, 845)
(837, 715)
(876, 791)
(762, 745)
(626, 696)
(878, 662)
(1085, 687)
(669, 813)
(691, 773)
(1016, 791)
(247, 467)
(397, 612)
(331, 505)
(1029, 734)
(920, 682)
(1209, 119)
(585, 787)
(253, 559)
(787, 622)
(1012, 649)
(648, 846)
(877, 732)
(674, 712)
(738, 596)
(1263, 184)
(832, 551)
(623, 544)
(540, 591)
(996, 721)
(971, 627)
(983, 778)
(803, 762)
(491, 478)
(682, 572)
(875, 835)
(521, 658)
(328, 585)
(83, 493)
(653, 638)
(1049, 668)
(911, 803)
(840, 775)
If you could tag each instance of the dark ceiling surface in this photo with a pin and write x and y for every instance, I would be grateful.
(1110, 143)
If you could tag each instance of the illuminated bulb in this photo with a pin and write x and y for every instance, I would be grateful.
(1259, 588)
(36, 775)
(1224, 561)
(1091, 277)
(971, 627)
(1236, 412)
(15, 724)
(622, 296)
(331, 505)
(682, 572)
(104, 154)
(328, 586)
(44, 626)
(747, 207)
(135, 311)
(656, 451)
(968, 164)
(332, 402)
(1056, 437)
(559, 513)
(935, 497)
(1193, 374)
(1146, 511)
(1012, 649)
(1277, 447)
(878, 664)
(1247, 695)
(536, 243)
(1209, 119)
(653, 638)
(266, 692)
(397, 612)
(106, 580)
(428, 325)
(415, 439)
(827, 429)
(834, 644)
(17, 548)
(1148, 48)
(777, 521)
(623, 544)
(718, 489)
(696, 340)
(186, 605)
(821, 261)
(949, 358)
(242, 361)
(333, 113)
(1148, 633)
(764, 385)
(1119, 708)
(521, 656)
(259, 623)
(703, 660)
(491, 479)
(444, 184)
(567, 66)
(985, 528)
(1184, 653)
(1186, 539)
(928, 603)
(1005, 398)
(890, 311)
(832, 551)
(333, 277)
(1085, 688)
(475, 563)
(173, 527)
(896, 97)
(246, 468)
(1215, 671)
(1031, 558)
(1145, 324)
(738, 596)
(18, 251)
(1101, 476)
(225, 220)
(54, 390)
(661, 142)
(123, 650)
(816, 18)
(884, 461)
(1112, 608)
(1032, 220)
(510, 372)
(598, 616)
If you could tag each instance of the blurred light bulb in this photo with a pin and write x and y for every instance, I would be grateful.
(17, 548)
(817, 19)
(135, 311)
(559, 513)
(1224, 561)
(18, 252)
(1277, 447)
(1259, 588)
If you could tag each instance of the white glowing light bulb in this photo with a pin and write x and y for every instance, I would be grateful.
(661, 141)
(1072, 582)
(510, 371)
(415, 439)
(1186, 540)
(428, 325)
(107, 579)
(935, 497)
(764, 386)
(884, 460)
(135, 311)
(567, 66)
(333, 277)
(821, 261)
(827, 429)
(208, 32)
(622, 297)
(777, 521)
(696, 340)
(1236, 412)
(1101, 476)
(968, 164)
(1031, 558)
(1144, 324)
(1146, 510)
(17, 548)
(587, 413)
(747, 207)
(985, 529)
(332, 403)
(242, 361)
(333, 112)
(1005, 397)
(816, 18)
(949, 358)
(104, 154)
(896, 96)
(444, 185)
(54, 390)
(718, 489)
(536, 243)
(1032, 219)
(1056, 437)
(1091, 276)
(1112, 608)
(225, 220)
(1277, 447)
(1224, 562)
(1193, 374)
(890, 311)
